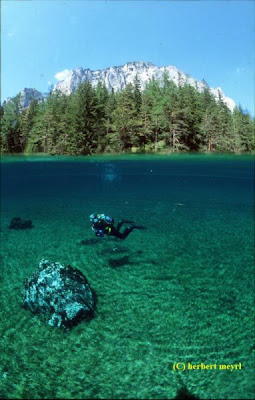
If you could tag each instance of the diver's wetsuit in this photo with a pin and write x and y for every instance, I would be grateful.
(104, 225)
(121, 235)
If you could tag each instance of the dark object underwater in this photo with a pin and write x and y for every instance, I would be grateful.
(60, 292)
(184, 394)
(18, 223)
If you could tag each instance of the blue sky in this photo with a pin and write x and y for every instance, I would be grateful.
(211, 40)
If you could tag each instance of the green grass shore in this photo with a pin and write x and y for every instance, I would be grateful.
(102, 157)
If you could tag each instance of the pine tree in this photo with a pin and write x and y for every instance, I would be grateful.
(210, 126)
(52, 117)
(137, 95)
(243, 131)
(1, 119)
(86, 118)
(176, 121)
(10, 127)
(48, 131)
(27, 121)
(225, 124)
(208, 99)
(125, 121)
(69, 140)
(146, 136)
(36, 138)
(154, 94)
(192, 116)
(102, 117)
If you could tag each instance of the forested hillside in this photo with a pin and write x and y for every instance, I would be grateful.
(161, 118)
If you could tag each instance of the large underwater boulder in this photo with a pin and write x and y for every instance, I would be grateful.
(61, 292)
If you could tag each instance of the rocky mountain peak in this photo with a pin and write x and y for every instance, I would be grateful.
(26, 96)
(118, 77)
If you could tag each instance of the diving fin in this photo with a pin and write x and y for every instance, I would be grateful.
(140, 227)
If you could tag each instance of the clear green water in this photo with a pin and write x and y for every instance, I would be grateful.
(181, 291)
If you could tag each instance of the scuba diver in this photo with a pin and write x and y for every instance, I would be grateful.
(102, 225)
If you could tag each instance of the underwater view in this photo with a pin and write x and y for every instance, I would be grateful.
(175, 301)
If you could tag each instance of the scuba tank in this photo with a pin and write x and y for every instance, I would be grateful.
(101, 224)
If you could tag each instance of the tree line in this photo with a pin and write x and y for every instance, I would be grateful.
(163, 117)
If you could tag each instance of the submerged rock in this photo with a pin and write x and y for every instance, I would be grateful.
(61, 292)
(18, 223)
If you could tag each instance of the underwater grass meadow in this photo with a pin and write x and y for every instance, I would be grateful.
(181, 291)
